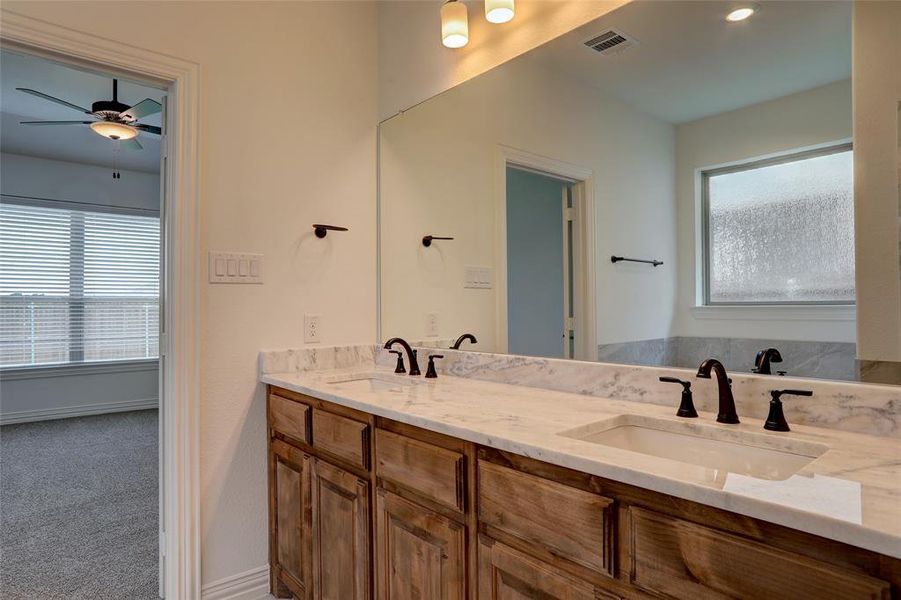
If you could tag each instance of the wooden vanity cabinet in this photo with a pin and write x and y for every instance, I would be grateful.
(362, 507)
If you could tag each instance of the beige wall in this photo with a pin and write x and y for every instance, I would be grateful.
(439, 163)
(818, 116)
(288, 115)
(877, 91)
(414, 66)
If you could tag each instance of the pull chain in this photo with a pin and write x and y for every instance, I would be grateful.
(116, 148)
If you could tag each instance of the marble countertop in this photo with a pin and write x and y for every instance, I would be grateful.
(851, 491)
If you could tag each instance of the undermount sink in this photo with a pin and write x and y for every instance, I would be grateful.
(709, 447)
(370, 382)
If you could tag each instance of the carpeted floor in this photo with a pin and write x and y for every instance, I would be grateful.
(78, 506)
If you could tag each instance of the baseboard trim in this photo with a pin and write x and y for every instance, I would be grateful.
(249, 585)
(85, 410)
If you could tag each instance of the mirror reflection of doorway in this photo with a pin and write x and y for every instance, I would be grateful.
(540, 217)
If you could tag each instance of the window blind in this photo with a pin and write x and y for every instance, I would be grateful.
(77, 285)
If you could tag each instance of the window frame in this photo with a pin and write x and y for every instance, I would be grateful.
(748, 165)
(76, 366)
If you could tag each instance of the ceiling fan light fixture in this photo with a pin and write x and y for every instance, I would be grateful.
(114, 131)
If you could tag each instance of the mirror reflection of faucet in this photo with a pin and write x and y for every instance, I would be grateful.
(763, 360)
(466, 336)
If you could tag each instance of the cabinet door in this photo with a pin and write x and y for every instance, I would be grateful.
(291, 520)
(341, 539)
(419, 554)
(506, 574)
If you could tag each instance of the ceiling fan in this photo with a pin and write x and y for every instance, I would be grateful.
(113, 119)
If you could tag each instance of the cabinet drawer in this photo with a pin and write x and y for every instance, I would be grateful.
(684, 560)
(289, 418)
(564, 521)
(342, 437)
(434, 472)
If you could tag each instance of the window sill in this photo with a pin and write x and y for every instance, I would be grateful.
(66, 370)
(778, 312)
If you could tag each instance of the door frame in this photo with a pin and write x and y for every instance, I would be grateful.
(584, 259)
(179, 347)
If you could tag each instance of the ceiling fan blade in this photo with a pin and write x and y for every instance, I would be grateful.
(149, 128)
(145, 107)
(55, 122)
(132, 144)
(52, 99)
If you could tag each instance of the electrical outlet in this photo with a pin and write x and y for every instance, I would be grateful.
(312, 328)
(431, 325)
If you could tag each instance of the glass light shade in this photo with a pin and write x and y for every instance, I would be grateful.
(113, 130)
(499, 11)
(740, 14)
(454, 24)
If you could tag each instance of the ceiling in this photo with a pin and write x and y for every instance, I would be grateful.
(690, 63)
(72, 143)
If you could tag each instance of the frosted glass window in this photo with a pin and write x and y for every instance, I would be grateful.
(782, 232)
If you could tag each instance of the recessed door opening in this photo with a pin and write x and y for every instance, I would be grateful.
(81, 238)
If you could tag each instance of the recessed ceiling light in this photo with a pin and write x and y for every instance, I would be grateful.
(740, 14)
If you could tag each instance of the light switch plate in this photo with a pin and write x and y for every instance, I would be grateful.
(233, 267)
(478, 278)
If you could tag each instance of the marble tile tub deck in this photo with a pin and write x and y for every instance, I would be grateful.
(850, 493)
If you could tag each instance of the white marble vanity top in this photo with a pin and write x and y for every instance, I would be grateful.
(850, 491)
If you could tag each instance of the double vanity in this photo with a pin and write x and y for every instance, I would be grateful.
(470, 486)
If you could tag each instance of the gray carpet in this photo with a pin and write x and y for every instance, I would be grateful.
(78, 506)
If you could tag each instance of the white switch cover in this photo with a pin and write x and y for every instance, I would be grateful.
(478, 278)
(312, 328)
(233, 267)
(431, 325)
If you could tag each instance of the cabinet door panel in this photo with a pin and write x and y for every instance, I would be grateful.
(340, 534)
(420, 555)
(506, 574)
(292, 515)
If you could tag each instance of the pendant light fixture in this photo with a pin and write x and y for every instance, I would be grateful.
(499, 11)
(454, 24)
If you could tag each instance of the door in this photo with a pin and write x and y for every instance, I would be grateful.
(419, 554)
(341, 547)
(507, 574)
(291, 521)
(539, 264)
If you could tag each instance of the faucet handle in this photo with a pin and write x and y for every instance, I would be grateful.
(400, 361)
(686, 406)
(775, 421)
(430, 371)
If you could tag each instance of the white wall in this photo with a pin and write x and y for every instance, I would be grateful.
(76, 390)
(58, 180)
(288, 113)
(808, 118)
(438, 177)
(414, 66)
(877, 92)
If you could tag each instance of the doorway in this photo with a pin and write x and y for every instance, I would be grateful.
(539, 264)
(545, 255)
(80, 328)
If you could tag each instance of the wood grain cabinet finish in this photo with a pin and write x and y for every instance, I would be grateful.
(340, 533)
(507, 574)
(345, 438)
(679, 559)
(290, 520)
(569, 523)
(419, 554)
(436, 473)
(361, 507)
(290, 418)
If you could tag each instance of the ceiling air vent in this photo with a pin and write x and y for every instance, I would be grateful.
(611, 42)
